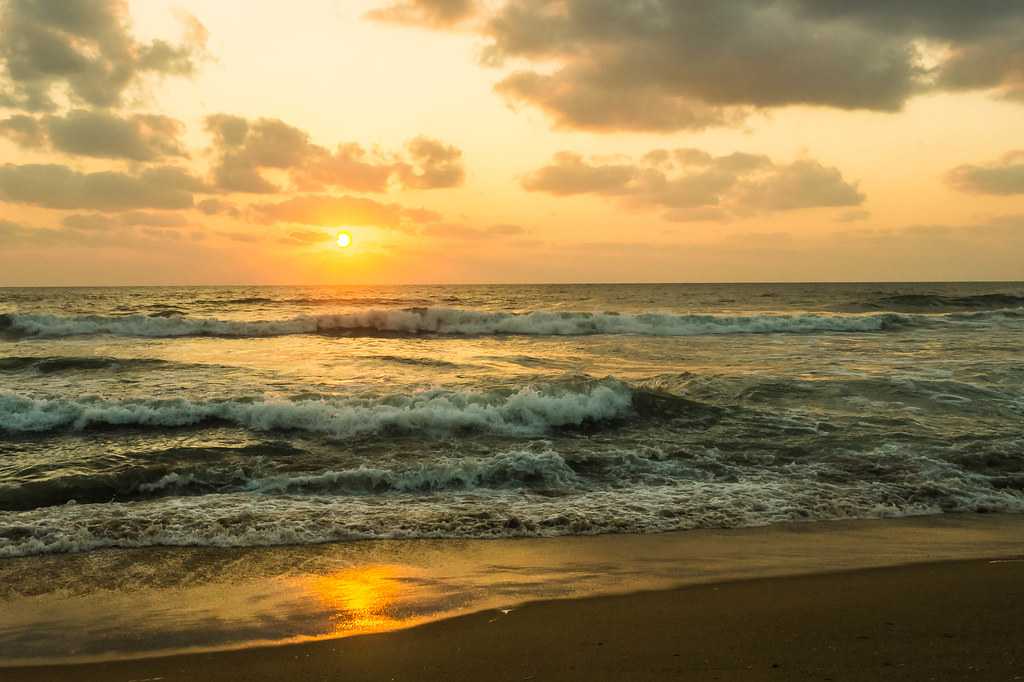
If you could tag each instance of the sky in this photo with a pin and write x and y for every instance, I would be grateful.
(152, 142)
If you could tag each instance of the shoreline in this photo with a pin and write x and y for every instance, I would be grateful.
(942, 620)
(144, 604)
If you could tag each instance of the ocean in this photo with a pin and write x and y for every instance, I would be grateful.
(250, 416)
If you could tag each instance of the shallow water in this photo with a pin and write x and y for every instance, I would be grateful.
(128, 603)
(249, 416)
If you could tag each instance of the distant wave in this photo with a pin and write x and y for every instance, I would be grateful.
(168, 312)
(936, 302)
(529, 411)
(52, 365)
(318, 301)
(448, 321)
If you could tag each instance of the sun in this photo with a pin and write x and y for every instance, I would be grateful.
(344, 240)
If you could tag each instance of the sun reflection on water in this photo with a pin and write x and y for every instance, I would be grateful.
(366, 598)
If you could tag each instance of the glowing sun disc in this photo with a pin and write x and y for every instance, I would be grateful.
(344, 240)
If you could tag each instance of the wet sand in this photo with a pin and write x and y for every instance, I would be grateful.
(119, 604)
(940, 621)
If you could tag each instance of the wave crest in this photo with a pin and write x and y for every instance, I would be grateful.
(448, 321)
(529, 411)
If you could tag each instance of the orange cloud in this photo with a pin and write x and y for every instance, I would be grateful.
(1002, 177)
(694, 185)
(327, 210)
(245, 147)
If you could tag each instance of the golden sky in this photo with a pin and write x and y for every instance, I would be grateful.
(201, 141)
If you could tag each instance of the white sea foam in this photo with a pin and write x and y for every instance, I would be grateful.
(449, 321)
(244, 519)
(522, 492)
(544, 469)
(529, 411)
(518, 467)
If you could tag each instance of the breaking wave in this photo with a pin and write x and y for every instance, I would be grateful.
(448, 321)
(244, 519)
(527, 412)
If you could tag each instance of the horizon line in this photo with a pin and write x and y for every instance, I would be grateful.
(520, 284)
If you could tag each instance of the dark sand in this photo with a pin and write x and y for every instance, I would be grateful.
(942, 621)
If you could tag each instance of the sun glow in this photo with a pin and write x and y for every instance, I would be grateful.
(344, 240)
(365, 598)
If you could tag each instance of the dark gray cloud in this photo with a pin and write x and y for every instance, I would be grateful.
(441, 13)
(246, 148)
(572, 103)
(693, 185)
(992, 64)
(432, 165)
(669, 65)
(938, 19)
(235, 174)
(61, 187)
(1004, 176)
(689, 64)
(86, 49)
(267, 142)
(140, 137)
(25, 131)
(680, 64)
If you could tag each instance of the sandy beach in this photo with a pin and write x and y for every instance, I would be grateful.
(906, 599)
(945, 621)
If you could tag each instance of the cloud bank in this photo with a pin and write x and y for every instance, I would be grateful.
(692, 185)
(101, 134)
(1004, 176)
(664, 65)
(334, 210)
(60, 187)
(437, 13)
(244, 148)
(84, 50)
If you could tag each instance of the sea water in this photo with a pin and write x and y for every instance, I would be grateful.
(245, 416)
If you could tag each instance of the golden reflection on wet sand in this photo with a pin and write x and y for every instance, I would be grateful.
(87, 607)
(365, 599)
